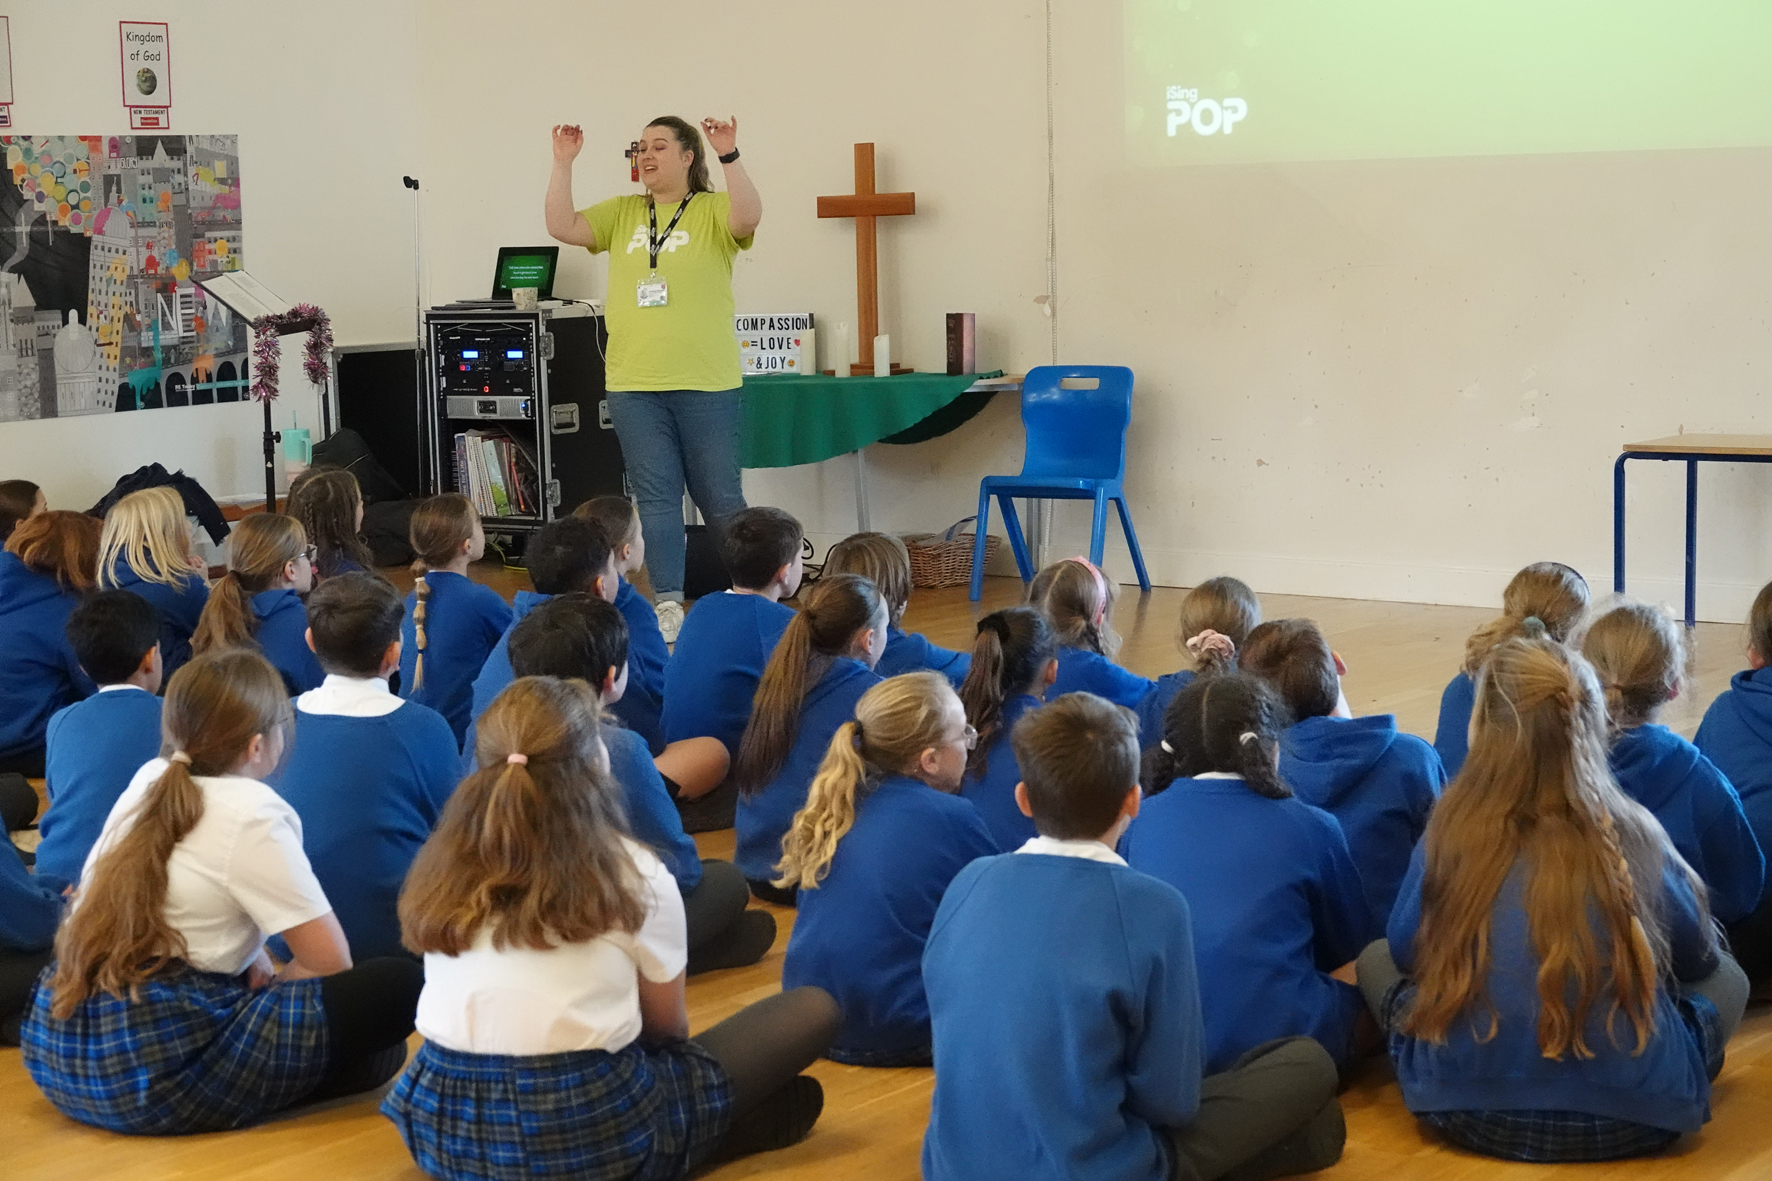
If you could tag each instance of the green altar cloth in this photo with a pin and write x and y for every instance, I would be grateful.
(792, 419)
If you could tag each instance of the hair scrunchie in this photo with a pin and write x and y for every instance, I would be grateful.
(995, 623)
(1248, 736)
(517, 760)
(179, 756)
(1216, 643)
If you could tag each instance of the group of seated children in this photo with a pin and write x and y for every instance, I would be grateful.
(1141, 928)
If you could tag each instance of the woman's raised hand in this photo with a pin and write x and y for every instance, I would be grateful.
(722, 136)
(568, 139)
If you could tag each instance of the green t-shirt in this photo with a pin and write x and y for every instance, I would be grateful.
(690, 343)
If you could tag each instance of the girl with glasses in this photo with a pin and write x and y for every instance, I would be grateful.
(257, 603)
(882, 834)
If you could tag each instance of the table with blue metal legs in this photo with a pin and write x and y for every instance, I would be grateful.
(1690, 450)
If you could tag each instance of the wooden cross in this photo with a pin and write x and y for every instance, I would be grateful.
(864, 205)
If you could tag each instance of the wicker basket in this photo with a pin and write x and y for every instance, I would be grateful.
(945, 559)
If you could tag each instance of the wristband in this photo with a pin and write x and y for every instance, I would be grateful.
(729, 157)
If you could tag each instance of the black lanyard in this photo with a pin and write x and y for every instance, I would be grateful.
(654, 243)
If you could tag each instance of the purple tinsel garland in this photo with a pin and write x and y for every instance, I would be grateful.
(267, 348)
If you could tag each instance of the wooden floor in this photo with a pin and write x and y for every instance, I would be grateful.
(1399, 657)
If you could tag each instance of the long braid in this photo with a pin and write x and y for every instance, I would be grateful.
(421, 591)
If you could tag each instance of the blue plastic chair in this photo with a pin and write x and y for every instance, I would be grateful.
(1076, 450)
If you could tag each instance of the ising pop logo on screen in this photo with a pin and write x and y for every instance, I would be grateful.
(1207, 116)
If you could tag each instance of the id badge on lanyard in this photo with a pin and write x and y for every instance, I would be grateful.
(653, 291)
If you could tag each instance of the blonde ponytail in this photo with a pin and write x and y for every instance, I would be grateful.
(811, 841)
(895, 722)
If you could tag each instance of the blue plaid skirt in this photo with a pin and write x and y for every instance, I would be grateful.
(650, 1112)
(193, 1052)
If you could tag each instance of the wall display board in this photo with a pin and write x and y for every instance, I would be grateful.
(100, 310)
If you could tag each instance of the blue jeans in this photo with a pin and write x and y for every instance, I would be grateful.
(670, 438)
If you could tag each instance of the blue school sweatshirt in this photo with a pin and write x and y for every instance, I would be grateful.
(859, 933)
(283, 638)
(463, 620)
(1452, 737)
(30, 906)
(908, 652)
(1664, 1087)
(993, 793)
(721, 651)
(1736, 735)
(38, 671)
(653, 818)
(368, 791)
(1700, 811)
(764, 816)
(180, 608)
(1083, 671)
(641, 708)
(1155, 705)
(1378, 783)
(1066, 1016)
(495, 674)
(95, 748)
(1276, 906)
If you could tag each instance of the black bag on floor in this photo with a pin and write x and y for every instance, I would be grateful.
(345, 448)
(387, 527)
(703, 571)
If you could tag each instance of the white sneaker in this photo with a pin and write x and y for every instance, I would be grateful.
(670, 619)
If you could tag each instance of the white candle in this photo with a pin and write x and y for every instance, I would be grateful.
(883, 355)
(808, 352)
(839, 355)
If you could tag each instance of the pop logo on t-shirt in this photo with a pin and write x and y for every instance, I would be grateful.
(638, 241)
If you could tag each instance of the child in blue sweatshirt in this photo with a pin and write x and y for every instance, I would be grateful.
(367, 772)
(146, 548)
(1550, 592)
(1606, 1051)
(574, 555)
(1014, 661)
(1222, 606)
(96, 746)
(580, 635)
(451, 621)
(30, 909)
(258, 602)
(641, 708)
(726, 640)
(1078, 601)
(48, 566)
(1736, 736)
(1639, 655)
(1378, 783)
(571, 554)
(819, 670)
(1276, 901)
(883, 560)
(1065, 1005)
(881, 836)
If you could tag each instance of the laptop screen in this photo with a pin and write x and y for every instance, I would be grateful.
(525, 266)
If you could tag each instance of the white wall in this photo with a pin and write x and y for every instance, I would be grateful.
(1387, 379)
(323, 100)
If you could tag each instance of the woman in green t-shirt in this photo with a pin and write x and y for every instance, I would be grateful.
(672, 367)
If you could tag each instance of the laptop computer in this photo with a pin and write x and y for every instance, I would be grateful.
(520, 266)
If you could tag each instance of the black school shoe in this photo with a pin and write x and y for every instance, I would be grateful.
(781, 1120)
(711, 812)
(749, 940)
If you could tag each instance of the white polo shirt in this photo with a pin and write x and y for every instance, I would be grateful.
(580, 996)
(237, 878)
